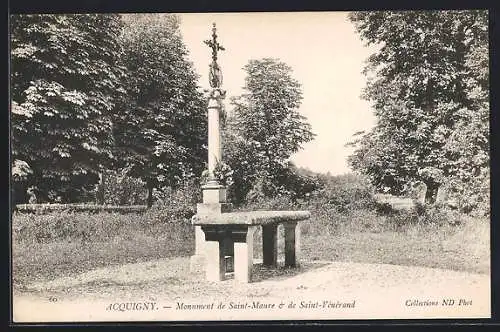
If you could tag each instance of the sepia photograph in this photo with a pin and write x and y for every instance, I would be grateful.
(183, 167)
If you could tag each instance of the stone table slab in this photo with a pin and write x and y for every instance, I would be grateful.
(250, 218)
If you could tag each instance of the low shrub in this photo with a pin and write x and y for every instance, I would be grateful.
(118, 189)
(327, 220)
(440, 215)
(279, 203)
(345, 194)
(174, 205)
(92, 227)
(64, 243)
(68, 226)
(422, 214)
(170, 214)
(383, 208)
(342, 202)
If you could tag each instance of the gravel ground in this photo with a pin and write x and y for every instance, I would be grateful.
(319, 290)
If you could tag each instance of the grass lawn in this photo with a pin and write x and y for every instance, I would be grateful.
(45, 261)
(462, 248)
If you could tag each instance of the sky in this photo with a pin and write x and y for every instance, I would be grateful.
(326, 56)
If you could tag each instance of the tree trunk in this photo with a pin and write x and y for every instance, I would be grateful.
(19, 195)
(100, 195)
(150, 195)
(432, 188)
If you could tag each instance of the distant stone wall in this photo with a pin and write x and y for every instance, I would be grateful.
(397, 203)
(47, 208)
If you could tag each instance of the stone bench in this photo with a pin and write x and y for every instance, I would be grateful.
(236, 230)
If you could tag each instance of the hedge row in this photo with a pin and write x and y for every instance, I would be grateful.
(93, 208)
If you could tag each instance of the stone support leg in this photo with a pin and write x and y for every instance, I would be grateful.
(243, 253)
(215, 268)
(197, 261)
(290, 259)
(270, 245)
(199, 240)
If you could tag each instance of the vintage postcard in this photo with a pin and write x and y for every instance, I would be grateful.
(250, 166)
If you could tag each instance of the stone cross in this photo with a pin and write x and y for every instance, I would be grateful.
(214, 193)
(214, 44)
(215, 74)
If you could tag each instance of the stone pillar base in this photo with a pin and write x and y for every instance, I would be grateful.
(213, 208)
(197, 263)
(214, 194)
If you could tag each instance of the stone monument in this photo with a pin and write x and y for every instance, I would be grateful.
(420, 192)
(442, 194)
(214, 194)
(220, 233)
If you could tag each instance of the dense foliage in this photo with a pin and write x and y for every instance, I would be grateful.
(93, 93)
(428, 83)
(160, 128)
(113, 99)
(65, 79)
(116, 188)
(264, 129)
(126, 111)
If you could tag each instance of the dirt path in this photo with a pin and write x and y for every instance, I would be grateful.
(319, 290)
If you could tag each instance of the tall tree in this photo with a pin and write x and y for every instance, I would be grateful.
(160, 131)
(468, 144)
(265, 128)
(65, 79)
(421, 83)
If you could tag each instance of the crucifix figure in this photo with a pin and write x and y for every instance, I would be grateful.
(215, 77)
